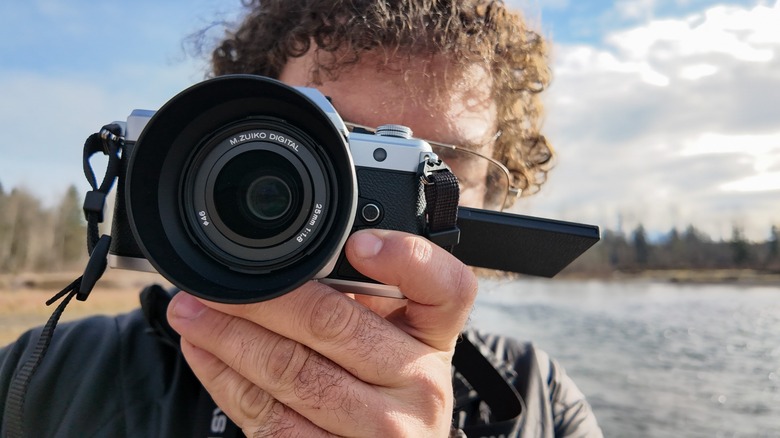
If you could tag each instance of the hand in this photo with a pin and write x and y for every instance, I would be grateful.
(316, 362)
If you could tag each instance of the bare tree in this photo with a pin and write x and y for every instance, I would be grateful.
(69, 231)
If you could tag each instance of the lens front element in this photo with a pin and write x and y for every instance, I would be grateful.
(259, 194)
(268, 198)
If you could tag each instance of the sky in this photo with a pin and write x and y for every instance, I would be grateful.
(663, 113)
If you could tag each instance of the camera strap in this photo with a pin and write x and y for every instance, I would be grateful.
(108, 141)
(442, 194)
(505, 403)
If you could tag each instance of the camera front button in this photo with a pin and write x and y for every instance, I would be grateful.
(371, 213)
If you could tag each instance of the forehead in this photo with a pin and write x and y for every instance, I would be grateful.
(437, 101)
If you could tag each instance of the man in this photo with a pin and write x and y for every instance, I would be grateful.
(316, 362)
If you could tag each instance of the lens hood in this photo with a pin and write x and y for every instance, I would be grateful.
(159, 194)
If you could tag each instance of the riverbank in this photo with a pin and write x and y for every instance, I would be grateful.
(746, 277)
(23, 298)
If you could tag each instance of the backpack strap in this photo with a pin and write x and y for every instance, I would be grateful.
(505, 403)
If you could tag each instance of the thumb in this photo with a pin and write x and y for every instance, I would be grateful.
(439, 288)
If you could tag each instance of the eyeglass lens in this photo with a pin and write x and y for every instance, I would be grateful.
(483, 183)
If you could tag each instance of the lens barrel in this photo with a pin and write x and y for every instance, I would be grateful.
(264, 190)
(240, 189)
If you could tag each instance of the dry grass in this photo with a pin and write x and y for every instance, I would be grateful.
(23, 298)
(744, 277)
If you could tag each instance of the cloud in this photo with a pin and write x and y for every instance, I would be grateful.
(665, 121)
(674, 115)
(747, 35)
(635, 8)
(74, 66)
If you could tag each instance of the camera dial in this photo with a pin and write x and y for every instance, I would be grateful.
(399, 131)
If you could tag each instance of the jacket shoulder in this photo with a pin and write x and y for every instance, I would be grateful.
(101, 376)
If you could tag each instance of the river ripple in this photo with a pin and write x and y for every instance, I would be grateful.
(654, 359)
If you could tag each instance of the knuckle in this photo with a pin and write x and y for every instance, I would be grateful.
(431, 401)
(276, 421)
(295, 369)
(320, 383)
(254, 403)
(391, 425)
(466, 284)
(420, 251)
(433, 393)
(332, 318)
(358, 330)
(284, 361)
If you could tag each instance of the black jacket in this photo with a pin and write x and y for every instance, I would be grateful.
(124, 376)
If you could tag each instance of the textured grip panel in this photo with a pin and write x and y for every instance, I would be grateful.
(399, 197)
(122, 241)
(397, 194)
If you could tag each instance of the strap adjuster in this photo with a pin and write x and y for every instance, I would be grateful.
(442, 193)
(94, 202)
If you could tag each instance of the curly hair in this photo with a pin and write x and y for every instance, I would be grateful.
(464, 31)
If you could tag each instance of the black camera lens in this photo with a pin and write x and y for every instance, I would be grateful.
(240, 189)
(258, 194)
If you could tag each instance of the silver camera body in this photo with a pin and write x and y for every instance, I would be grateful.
(241, 188)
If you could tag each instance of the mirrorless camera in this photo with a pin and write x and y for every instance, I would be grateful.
(241, 188)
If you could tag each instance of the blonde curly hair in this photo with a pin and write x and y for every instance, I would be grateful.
(464, 31)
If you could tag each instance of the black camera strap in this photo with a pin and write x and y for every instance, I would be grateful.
(442, 195)
(505, 403)
(109, 142)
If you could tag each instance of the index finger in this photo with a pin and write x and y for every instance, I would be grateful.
(336, 327)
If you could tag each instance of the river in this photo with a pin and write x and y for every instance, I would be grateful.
(654, 359)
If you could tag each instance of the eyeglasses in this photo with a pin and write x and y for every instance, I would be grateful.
(484, 182)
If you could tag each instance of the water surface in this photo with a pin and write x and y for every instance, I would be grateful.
(654, 359)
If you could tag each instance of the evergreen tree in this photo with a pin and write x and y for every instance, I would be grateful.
(696, 248)
(773, 245)
(740, 249)
(641, 246)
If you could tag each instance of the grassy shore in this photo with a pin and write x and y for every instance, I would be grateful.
(23, 298)
(744, 277)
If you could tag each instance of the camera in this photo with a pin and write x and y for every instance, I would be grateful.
(241, 188)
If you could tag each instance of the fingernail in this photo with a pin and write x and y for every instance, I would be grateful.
(187, 307)
(366, 244)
